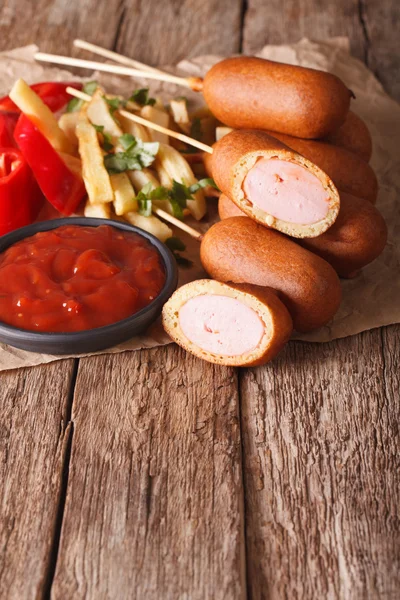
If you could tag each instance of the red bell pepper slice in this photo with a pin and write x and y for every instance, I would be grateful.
(8, 121)
(53, 93)
(20, 196)
(62, 188)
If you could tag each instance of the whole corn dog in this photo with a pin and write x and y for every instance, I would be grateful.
(235, 325)
(253, 93)
(354, 136)
(349, 172)
(239, 250)
(357, 237)
(274, 185)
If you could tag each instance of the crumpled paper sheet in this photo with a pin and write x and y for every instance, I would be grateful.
(370, 300)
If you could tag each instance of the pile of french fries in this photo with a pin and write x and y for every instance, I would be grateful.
(111, 196)
(80, 144)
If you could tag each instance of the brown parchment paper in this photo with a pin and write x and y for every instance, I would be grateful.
(370, 300)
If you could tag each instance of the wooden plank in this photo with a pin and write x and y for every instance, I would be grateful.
(321, 465)
(165, 519)
(319, 425)
(381, 25)
(53, 24)
(34, 436)
(372, 28)
(166, 32)
(154, 504)
(279, 22)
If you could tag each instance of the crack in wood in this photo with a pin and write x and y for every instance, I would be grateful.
(364, 28)
(123, 9)
(68, 432)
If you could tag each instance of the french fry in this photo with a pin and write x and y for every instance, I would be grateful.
(98, 113)
(124, 194)
(151, 224)
(141, 178)
(97, 180)
(180, 114)
(171, 165)
(155, 115)
(135, 129)
(36, 110)
(68, 123)
(220, 132)
(97, 211)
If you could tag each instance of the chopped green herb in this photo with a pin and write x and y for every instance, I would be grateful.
(115, 104)
(127, 141)
(145, 206)
(182, 261)
(175, 244)
(142, 97)
(144, 200)
(137, 155)
(76, 104)
(107, 144)
(203, 183)
(90, 87)
(178, 195)
(180, 192)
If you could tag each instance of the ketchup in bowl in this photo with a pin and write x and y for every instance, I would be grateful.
(75, 278)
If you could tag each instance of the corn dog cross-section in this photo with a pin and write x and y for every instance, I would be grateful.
(235, 325)
(274, 185)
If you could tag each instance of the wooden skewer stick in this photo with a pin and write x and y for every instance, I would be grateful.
(119, 58)
(194, 83)
(174, 221)
(132, 117)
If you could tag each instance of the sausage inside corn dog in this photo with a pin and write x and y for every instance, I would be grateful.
(349, 172)
(239, 250)
(357, 237)
(274, 185)
(254, 93)
(235, 325)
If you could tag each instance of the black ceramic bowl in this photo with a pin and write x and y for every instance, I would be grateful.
(99, 338)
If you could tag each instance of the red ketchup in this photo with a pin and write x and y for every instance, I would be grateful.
(75, 278)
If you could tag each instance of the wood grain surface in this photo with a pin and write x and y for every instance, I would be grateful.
(372, 27)
(34, 435)
(321, 464)
(150, 500)
(154, 502)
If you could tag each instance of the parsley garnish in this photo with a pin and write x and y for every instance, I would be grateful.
(142, 97)
(115, 104)
(107, 144)
(178, 195)
(76, 104)
(136, 156)
(175, 245)
(144, 200)
(203, 183)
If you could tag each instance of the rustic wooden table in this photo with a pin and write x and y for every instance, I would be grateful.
(154, 475)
